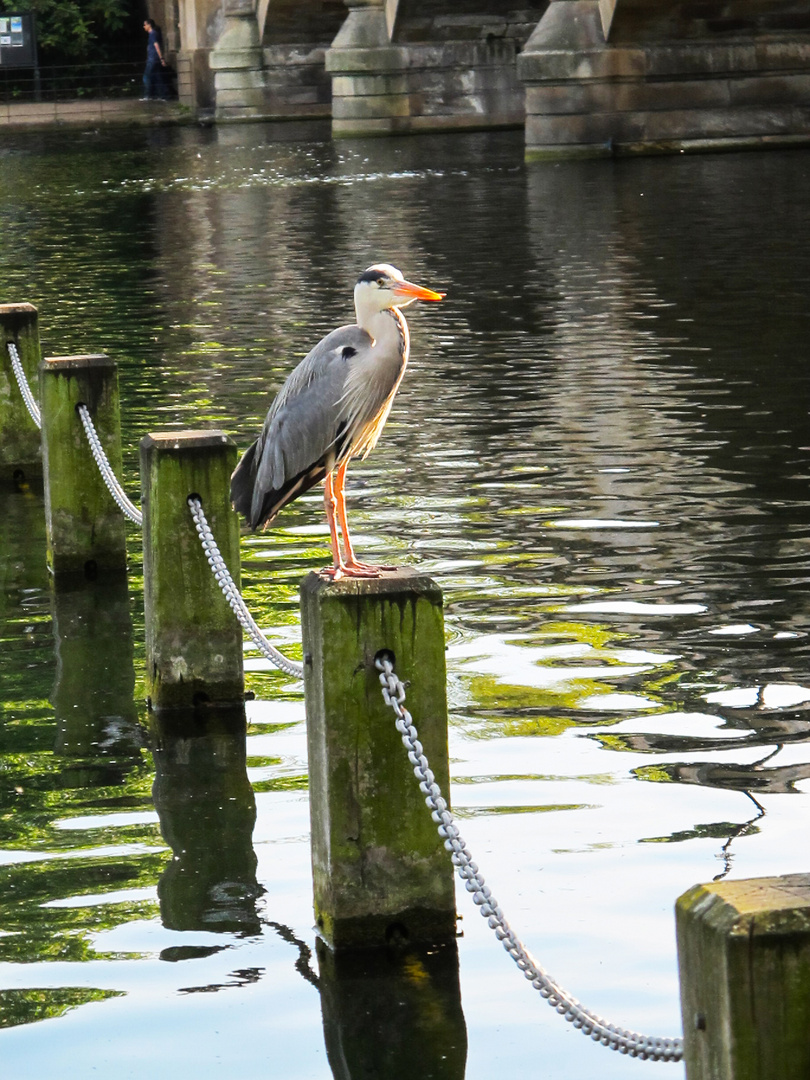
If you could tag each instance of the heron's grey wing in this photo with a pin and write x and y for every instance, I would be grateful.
(304, 432)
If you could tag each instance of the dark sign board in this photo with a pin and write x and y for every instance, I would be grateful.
(18, 43)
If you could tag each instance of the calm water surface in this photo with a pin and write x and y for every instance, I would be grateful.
(600, 451)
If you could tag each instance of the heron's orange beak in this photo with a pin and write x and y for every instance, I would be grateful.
(416, 292)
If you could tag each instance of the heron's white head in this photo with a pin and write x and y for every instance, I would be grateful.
(381, 287)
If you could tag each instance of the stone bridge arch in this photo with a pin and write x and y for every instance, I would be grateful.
(277, 58)
(582, 76)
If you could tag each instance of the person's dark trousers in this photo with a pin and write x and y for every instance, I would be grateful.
(153, 83)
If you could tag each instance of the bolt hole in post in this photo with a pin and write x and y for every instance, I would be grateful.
(383, 655)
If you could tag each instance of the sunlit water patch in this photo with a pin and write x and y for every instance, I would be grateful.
(599, 451)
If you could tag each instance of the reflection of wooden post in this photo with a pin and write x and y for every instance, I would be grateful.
(207, 811)
(20, 444)
(93, 695)
(379, 1005)
(380, 871)
(86, 529)
(744, 957)
(193, 639)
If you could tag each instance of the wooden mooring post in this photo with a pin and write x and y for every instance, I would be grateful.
(20, 444)
(193, 639)
(380, 871)
(744, 958)
(86, 529)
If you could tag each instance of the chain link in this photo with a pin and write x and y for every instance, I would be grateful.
(626, 1042)
(125, 505)
(233, 596)
(22, 382)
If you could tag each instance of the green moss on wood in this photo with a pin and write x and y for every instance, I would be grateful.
(86, 529)
(377, 858)
(744, 956)
(193, 639)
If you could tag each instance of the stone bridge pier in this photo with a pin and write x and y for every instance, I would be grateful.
(582, 76)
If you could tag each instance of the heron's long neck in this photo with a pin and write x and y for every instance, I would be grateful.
(390, 333)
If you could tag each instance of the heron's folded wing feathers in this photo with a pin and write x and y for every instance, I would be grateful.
(302, 435)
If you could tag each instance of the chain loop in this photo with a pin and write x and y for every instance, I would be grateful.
(646, 1047)
(108, 476)
(22, 382)
(232, 594)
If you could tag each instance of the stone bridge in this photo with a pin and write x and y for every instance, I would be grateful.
(581, 76)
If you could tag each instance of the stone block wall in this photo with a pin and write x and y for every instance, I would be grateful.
(727, 75)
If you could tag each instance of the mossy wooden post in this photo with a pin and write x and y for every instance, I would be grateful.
(20, 443)
(86, 529)
(744, 958)
(193, 639)
(380, 870)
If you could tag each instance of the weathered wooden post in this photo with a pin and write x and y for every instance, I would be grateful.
(744, 958)
(193, 639)
(86, 529)
(380, 871)
(20, 444)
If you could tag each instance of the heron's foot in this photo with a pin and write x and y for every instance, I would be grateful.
(365, 568)
(355, 570)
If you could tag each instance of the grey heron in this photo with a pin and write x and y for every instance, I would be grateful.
(331, 409)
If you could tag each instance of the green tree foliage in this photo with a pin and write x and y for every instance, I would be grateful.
(70, 31)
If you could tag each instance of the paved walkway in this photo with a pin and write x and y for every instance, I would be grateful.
(91, 113)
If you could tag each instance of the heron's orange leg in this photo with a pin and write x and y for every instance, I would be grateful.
(334, 501)
(330, 503)
(352, 562)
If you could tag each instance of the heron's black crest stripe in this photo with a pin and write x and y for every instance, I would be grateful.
(369, 275)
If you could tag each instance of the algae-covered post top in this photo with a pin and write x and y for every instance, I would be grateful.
(744, 958)
(380, 871)
(86, 529)
(193, 639)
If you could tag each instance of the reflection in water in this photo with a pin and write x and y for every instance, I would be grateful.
(727, 854)
(93, 699)
(600, 452)
(207, 812)
(393, 1013)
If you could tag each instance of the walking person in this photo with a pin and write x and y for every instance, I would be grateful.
(154, 82)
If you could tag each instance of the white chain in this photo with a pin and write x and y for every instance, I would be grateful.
(232, 594)
(22, 382)
(626, 1042)
(129, 509)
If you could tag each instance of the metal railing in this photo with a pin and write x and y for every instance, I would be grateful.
(76, 82)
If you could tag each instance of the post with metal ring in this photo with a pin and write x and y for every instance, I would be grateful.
(744, 959)
(86, 530)
(20, 444)
(380, 872)
(193, 641)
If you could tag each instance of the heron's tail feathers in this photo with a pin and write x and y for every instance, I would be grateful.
(243, 480)
(259, 507)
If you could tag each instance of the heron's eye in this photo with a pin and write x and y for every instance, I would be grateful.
(381, 282)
